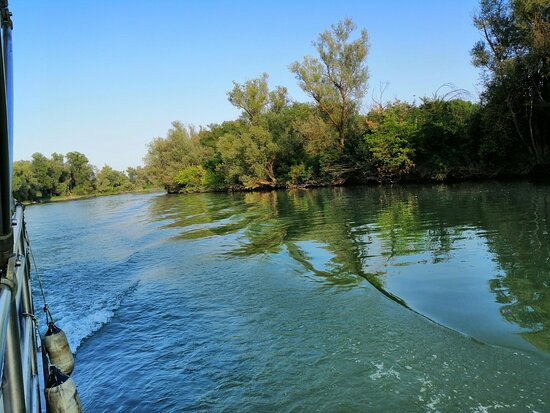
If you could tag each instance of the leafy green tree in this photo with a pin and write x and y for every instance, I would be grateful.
(191, 178)
(278, 99)
(448, 143)
(139, 177)
(51, 174)
(389, 140)
(320, 138)
(249, 157)
(166, 157)
(42, 170)
(108, 181)
(60, 173)
(515, 54)
(255, 98)
(81, 174)
(337, 80)
(282, 125)
(248, 153)
(25, 186)
(252, 96)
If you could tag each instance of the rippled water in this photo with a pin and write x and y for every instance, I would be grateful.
(411, 298)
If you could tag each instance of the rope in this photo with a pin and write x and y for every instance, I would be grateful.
(49, 318)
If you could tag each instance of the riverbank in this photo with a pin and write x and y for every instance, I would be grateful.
(88, 196)
(352, 182)
(533, 174)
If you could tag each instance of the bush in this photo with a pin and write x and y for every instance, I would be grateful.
(298, 174)
(191, 178)
(447, 141)
(388, 140)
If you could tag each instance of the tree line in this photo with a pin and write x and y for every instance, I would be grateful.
(68, 175)
(278, 142)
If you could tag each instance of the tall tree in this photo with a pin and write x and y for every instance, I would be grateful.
(249, 156)
(166, 157)
(515, 53)
(337, 80)
(61, 173)
(81, 173)
(252, 96)
(109, 180)
(25, 185)
(278, 99)
(43, 172)
(139, 177)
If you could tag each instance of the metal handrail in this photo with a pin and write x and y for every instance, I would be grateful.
(18, 343)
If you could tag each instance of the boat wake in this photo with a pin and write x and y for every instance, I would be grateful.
(80, 327)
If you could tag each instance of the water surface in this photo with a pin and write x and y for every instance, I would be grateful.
(409, 298)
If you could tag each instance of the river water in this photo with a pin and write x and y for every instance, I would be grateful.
(410, 298)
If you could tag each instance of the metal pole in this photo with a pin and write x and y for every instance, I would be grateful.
(35, 388)
(5, 306)
(13, 388)
(29, 347)
(8, 63)
(6, 137)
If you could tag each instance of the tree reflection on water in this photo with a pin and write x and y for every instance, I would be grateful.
(344, 235)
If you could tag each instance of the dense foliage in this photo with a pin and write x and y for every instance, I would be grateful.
(515, 56)
(278, 142)
(44, 178)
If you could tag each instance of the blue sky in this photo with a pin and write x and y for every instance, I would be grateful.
(104, 77)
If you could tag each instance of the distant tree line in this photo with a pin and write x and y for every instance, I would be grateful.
(68, 175)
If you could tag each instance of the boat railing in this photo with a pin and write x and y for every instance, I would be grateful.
(20, 390)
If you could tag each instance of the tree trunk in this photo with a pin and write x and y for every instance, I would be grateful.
(342, 136)
(271, 173)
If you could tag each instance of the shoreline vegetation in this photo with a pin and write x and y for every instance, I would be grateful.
(280, 143)
(71, 176)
